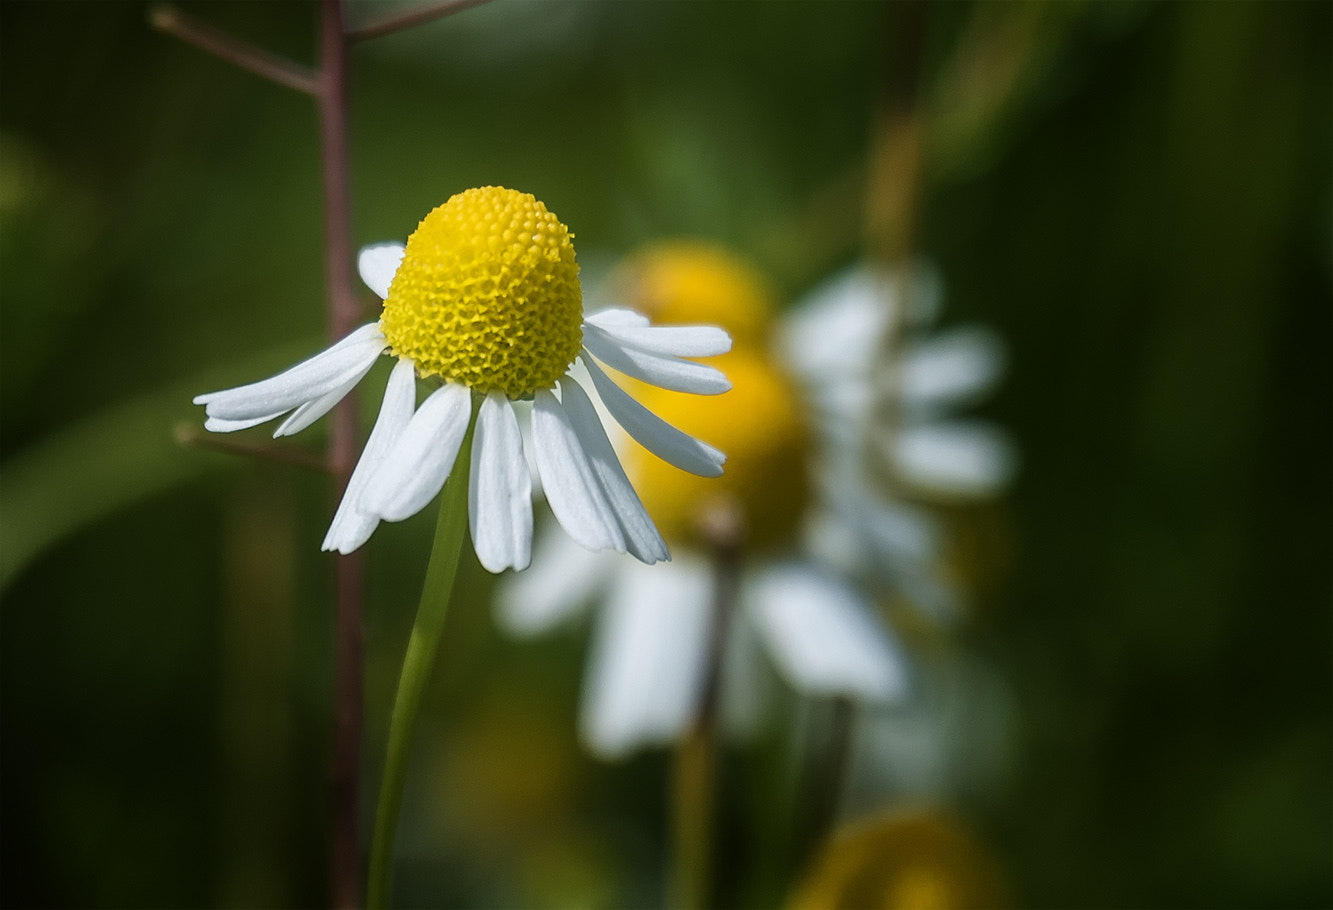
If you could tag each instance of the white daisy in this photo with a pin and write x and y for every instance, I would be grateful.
(485, 299)
(811, 610)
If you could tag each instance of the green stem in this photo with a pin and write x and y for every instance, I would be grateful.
(695, 784)
(449, 533)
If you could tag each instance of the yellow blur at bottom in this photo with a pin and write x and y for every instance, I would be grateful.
(902, 861)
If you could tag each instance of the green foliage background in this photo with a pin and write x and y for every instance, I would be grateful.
(1136, 195)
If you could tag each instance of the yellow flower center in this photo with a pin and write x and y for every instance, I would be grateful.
(488, 294)
(759, 425)
(691, 282)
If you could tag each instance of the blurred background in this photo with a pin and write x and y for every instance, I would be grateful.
(1135, 196)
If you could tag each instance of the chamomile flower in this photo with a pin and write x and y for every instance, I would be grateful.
(819, 629)
(484, 302)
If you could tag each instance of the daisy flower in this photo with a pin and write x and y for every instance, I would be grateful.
(823, 541)
(484, 302)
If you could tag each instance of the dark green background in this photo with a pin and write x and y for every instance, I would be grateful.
(1145, 217)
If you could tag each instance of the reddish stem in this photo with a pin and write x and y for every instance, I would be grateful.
(397, 22)
(349, 573)
(167, 18)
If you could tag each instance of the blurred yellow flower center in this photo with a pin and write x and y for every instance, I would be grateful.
(488, 294)
(690, 282)
(759, 425)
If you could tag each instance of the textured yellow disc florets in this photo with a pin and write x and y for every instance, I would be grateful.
(488, 294)
(760, 425)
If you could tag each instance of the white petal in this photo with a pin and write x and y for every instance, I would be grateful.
(378, 263)
(648, 658)
(311, 411)
(653, 433)
(500, 489)
(641, 537)
(839, 327)
(419, 462)
(563, 577)
(664, 372)
(837, 330)
(311, 379)
(950, 368)
(617, 316)
(575, 496)
(670, 340)
(218, 425)
(822, 635)
(963, 458)
(352, 526)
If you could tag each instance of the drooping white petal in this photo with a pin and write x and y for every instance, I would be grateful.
(311, 411)
(575, 496)
(349, 359)
(352, 525)
(641, 537)
(670, 340)
(378, 263)
(950, 368)
(617, 316)
(500, 489)
(218, 425)
(419, 462)
(822, 636)
(648, 658)
(654, 433)
(563, 577)
(664, 372)
(962, 458)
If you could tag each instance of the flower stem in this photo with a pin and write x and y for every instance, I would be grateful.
(349, 569)
(695, 781)
(167, 18)
(396, 22)
(421, 647)
(824, 772)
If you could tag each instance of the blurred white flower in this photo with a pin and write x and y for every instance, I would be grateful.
(807, 603)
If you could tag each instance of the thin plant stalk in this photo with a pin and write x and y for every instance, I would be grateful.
(450, 531)
(349, 569)
(694, 784)
(828, 731)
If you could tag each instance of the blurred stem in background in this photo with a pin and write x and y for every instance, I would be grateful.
(695, 785)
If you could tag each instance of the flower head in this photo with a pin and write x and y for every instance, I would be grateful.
(824, 539)
(487, 294)
(485, 299)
